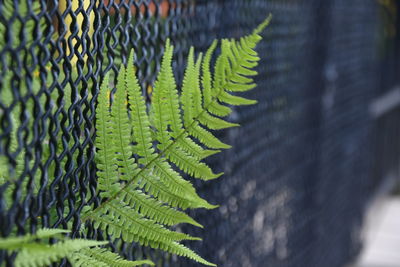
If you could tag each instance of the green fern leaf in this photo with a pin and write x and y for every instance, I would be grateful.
(218, 109)
(140, 119)
(166, 111)
(203, 117)
(190, 81)
(160, 110)
(121, 131)
(206, 79)
(49, 232)
(181, 250)
(192, 148)
(214, 123)
(149, 144)
(120, 221)
(35, 254)
(156, 210)
(152, 185)
(173, 180)
(15, 243)
(227, 98)
(80, 259)
(190, 165)
(107, 162)
(101, 257)
(205, 137)
(116, 215)
(167, 89)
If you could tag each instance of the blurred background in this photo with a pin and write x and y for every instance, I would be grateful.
(312, 179)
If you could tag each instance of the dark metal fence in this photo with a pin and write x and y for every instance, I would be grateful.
(304, 165)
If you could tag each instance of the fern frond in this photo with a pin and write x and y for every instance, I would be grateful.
(165, 87)
(197, 96)
(205, 137)
(80, 259)
(171, 135)
(166, 112)
(190, 81)
(173, 180)
(120, 221)
(121, 130)
(152, 185)
(227, 98)
(101, 257)
(190, 165)
(15, 243)
(128, 213)
(156, 210)
(107, 162)
(127, 168)
(35, 254)
(218, 109)
(214, 123)
(140, 119)
(181, 250)
(160, 111)
(49, 232)
(193, 149)
(206, 79)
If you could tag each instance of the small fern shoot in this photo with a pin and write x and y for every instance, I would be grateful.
(143, 152)
(34, 251)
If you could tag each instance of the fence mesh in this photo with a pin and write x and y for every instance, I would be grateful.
(304, 164)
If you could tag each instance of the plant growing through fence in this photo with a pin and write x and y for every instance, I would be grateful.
(139, 150)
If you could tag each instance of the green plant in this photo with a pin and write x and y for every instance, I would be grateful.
(141, 195)
(142, 152)
(33, 251)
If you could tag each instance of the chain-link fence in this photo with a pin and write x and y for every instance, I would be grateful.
(306, 161)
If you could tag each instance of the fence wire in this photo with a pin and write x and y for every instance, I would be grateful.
(304, 164)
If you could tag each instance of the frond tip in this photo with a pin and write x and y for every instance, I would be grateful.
(263, 25)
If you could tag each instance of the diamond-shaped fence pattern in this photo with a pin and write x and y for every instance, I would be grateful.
(305, 163)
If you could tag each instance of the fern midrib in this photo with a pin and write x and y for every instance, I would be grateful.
(159, 155)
